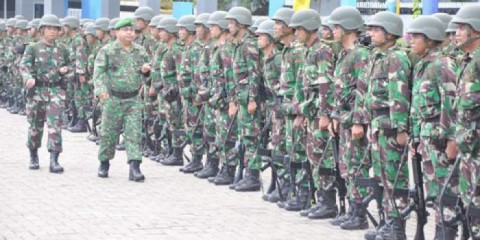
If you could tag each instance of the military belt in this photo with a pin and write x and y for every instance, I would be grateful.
(123, 95)
(380, 112)
(48, 84)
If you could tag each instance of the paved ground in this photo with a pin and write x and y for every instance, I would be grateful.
(168, 205)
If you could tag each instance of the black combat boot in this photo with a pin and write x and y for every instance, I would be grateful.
(22, 109)
(339, 219)
(372, 235)
(394, 230)
(210, 169)
(15, 108)
(275, 195)
(329, 208)
(54, 166)
(444, 232)
(319, 204)
(80, 126)
(34, 159)
(359, 219)
(226, 175)
(298, 202)
(252, 181)
(237, 179)
(194, 165)
(176, 159)
(103, 169)
(93, 138)
(135, 173)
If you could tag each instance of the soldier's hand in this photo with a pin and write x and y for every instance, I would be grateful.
(151, 92)
(82, 79)
(30, 83)
(451, 150)
(146, 68)
(103, 96)
(402, 138)
(323, 123)
(63, 70)
(252, 106)
(232, 109)
(357, 131)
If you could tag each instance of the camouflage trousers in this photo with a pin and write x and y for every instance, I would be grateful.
(278, 140)
(296, 138)
(436, 169)
(174, 114)
(193, 122)
(46, 105)
(209, 127)
(320, 154)
(82, 95)
(354, 162)
(249, 134)
(118, 114)
(386, 156)
(223, 142)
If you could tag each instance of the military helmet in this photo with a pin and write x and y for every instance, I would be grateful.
(11, 22)
(19, 17)
(71, 22)
(349, 18)
(187, 22)
(3, 26)
(306, 18)
(218, 18)
(430, 26)
(445, 18)
(326, 23)
(392, 23)
(451, 28)
(91, 29)
(241, 15)
(155, 20)
(257, 22)
(84, 21)
(50, 20)
(169, 24)
(102, 24)
(145, 13)
(284, 15)
(468, 14)
(112, 24)
(202, 19)
(21, 24)
(266, 27)
(34, 23)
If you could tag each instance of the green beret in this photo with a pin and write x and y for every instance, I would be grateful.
(124, 22)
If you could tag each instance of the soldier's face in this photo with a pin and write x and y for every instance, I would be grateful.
(263, 40)
(163, 35)
(90, 39)
(126, 34)
(99, 33)
(183, 34)
(50, 33)
(215, 31)
(338, 32)
(233, 27)
(10, 30)
(462, 33)
(377, 35)
(301, 34)
(279, 29)
(419, 44)
(326, 33)
(155, 33)
(141, 24)
(200, 31)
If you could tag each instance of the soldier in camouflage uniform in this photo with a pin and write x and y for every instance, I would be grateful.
(188, 83)
(143, 15)
(119, 73)
(348, 115)
(432, 116)
(467, 104)
(43, 68)
(327, 30)
(244, 98)
(387, 102)
(19, 48)
(8, 62)
(214, 95)
(166, 84)
(200, 79)
(111, 28)
(33, 31)
(78, 85)
(3, 72)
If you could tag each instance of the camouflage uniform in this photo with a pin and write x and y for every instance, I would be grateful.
(117, 72)
(82, 91)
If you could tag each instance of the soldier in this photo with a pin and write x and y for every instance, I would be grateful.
(467, 104)
(388, 103)
(119, 73)
(19, 48)
(327, 30)
(155, 32)
(214, 95)
(8, 62)
(348, 115)
(3, 68)
(432, 116)
(187, 84)
(112, 29)
(43, 68)
(256, 23)
(245, 95)
(33, 30)
(143, 15)
(78, 82)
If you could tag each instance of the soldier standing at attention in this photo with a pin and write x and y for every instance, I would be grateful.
(43, 68)
(118, 75)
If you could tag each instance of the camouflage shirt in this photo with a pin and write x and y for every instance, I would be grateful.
(119, 69)
(78, 53)
(292, 62)
(468, 88)
(189, 79)
(246, 70)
